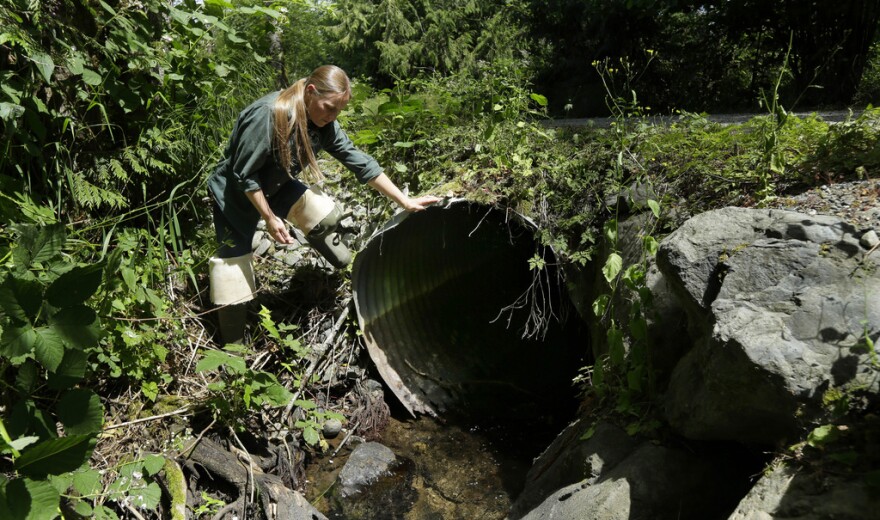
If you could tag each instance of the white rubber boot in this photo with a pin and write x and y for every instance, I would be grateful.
(232, 286)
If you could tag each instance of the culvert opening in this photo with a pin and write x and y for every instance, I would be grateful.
(458, 320)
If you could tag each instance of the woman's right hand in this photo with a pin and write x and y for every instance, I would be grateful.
(277, 229)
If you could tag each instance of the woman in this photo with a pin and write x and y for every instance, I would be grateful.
(274, 138)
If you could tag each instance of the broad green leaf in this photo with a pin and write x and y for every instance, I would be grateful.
(655, 207)
(234, 38)
(616, 350)
(18, 342)
(83, 509)
(650, 244)
(75, 286)
(91, 77)
(822, 435)
(44, 64)
(56, 456)
(221, 70)
(38, 244)
(305, 404)
(23, 442)
(81, 412)
(539, 99)
(87, 482)
(27, 419)
(48, 348)
(147, 497)
(612, 267)
(310, 435)
(26, 378)
(28, 499)
(600, 304)
(214, 359)
(153, 464)
(610, 230)
(77, 326)
(71, 370)
(75, 63)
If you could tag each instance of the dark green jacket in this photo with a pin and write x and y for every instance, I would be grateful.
(249, 163)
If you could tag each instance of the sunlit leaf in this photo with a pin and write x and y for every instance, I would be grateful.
(539, 99)
(612, 267)
(91, 77)
(44, 64)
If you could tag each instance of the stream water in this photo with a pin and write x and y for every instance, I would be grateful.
(450, 471)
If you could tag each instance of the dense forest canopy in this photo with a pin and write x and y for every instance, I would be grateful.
(113, 113)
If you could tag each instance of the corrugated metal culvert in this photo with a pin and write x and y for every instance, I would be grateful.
(456, 320)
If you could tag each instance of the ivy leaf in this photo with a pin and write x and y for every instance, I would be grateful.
(75, 286)
(612, 267)
(44, 64)
(56, 456)
(81, 412)
(539, 99)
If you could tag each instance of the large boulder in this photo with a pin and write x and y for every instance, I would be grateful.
(649, 483)
(786, 492)
(779, 306)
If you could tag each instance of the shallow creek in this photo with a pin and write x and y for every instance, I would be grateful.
(450, 471)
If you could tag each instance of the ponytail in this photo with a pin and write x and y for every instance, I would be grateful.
(291, 119)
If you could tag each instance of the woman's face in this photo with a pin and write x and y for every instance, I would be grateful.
(323, 110)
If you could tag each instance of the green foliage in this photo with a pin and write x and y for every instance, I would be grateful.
(48, 329)
(396, 38)
(239, 388)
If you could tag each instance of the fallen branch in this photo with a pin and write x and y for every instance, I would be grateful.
(179, 411)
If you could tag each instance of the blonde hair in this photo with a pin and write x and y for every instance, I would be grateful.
(290, 117)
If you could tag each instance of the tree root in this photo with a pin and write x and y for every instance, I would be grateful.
(273, 497)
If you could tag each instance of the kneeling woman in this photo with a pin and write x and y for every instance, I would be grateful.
(276, 136)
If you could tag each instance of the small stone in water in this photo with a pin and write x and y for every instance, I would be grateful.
(331, 428)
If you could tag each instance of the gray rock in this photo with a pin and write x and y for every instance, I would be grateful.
(331, 428)
(797, 495)
(652, 483)
(263, 247)
(368, 462)
(569, 460)
(778, 305)
(869, 239)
